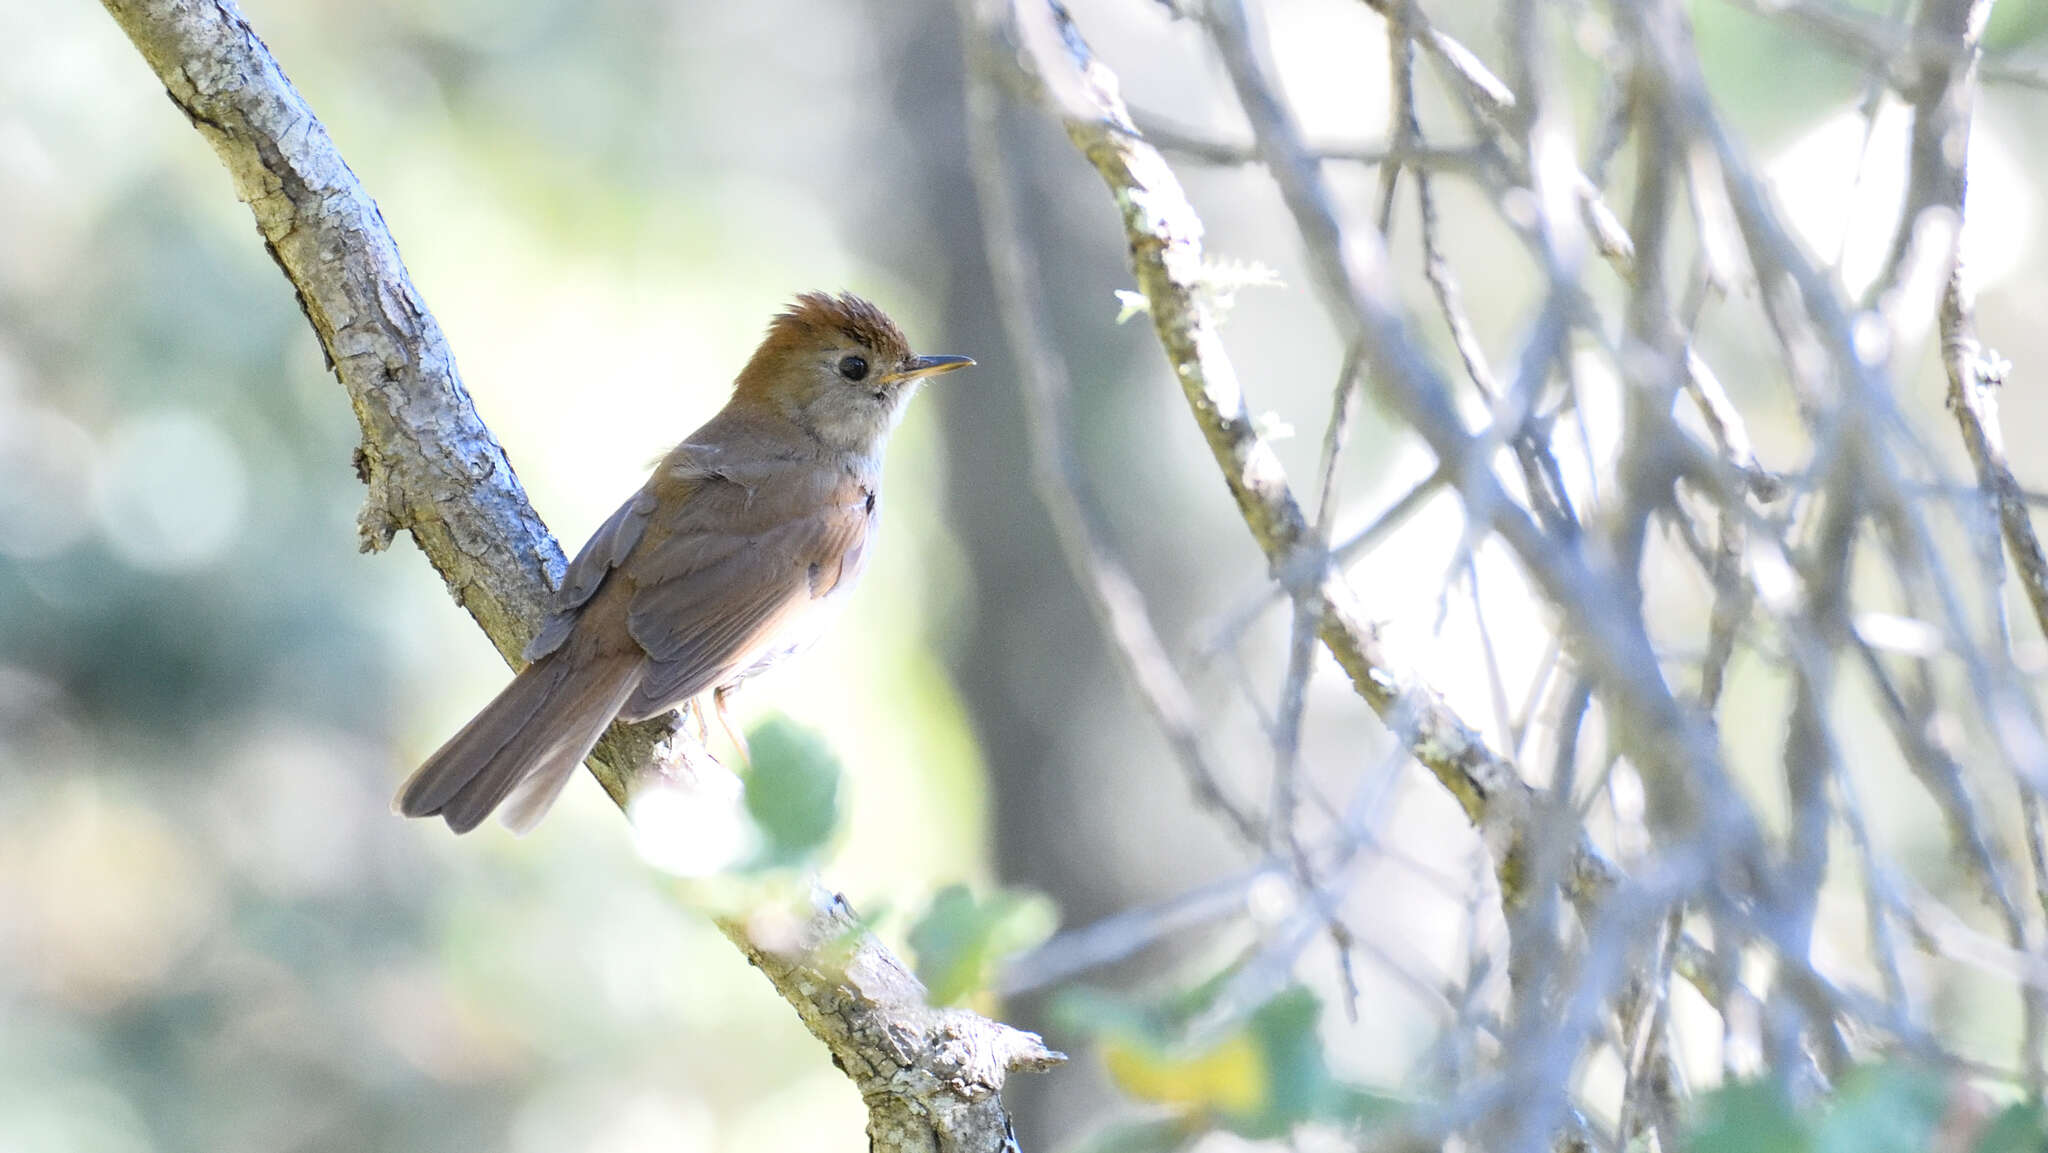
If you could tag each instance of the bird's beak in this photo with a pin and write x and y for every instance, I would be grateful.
(922, 366)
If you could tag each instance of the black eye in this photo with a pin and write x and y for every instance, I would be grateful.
(853, 367)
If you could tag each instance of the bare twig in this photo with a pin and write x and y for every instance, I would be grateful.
(1939, 165)
(2017, 73)
(1975, 375)
(1169, 137)
(1881, 47)
(1166, 250)
(1781, 571)
(1351, 274)
(1232, 623)
(1112, 593)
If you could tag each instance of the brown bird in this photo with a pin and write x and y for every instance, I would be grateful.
(720, 566)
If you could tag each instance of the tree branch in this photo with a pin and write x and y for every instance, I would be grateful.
(1165, 236)
(1165, 240)
(931, 1078)
(1112, 591)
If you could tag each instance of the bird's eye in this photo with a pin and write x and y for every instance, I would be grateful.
(853, 367)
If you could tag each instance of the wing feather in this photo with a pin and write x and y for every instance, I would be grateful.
(707, 602)
(684, 468)
(606, 550)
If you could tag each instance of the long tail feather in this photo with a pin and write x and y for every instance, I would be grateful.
(536, 732)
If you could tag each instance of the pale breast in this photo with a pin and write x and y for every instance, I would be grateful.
(829, 589)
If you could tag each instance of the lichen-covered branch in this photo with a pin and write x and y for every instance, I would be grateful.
(432, 468)
(1111, 590)
(932, 1079)
(1167, 257)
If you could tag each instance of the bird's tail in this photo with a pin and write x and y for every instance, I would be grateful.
(528, 741)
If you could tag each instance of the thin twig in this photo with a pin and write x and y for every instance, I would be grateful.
(1112, 592)
(1166, 249)
(1194, 145)
(1351, 274)
(1233, 622)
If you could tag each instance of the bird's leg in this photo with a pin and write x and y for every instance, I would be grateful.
(702, 718)
(719, 698)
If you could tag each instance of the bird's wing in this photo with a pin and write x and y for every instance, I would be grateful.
(613, 541)
(722, 572)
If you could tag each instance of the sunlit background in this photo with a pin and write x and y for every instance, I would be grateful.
(213, 933)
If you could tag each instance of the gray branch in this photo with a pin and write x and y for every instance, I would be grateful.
(1166, 248)
(1779, 560)
(931, 1078)
(1054, 65)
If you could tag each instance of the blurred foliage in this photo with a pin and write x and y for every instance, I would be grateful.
(1881, 1108)
(2021, 1128)
(1260, 1077)
(792, 784)
(1163, 1135)
(960, 941)
(2014, 26)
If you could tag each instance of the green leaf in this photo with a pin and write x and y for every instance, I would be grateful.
(1364, 1109)
(2020, 1129)
(1880, 1108)
(1298, 1085)
(1752, 1117)
(792, 790)
(1163, 1136)
(1260, 1080)
(1227, 1081)
(959, 941)
(1883, 1109)
(1095, 1013)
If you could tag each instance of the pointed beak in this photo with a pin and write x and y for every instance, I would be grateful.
(922, 366)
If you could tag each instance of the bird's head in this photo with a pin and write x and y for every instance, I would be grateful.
(840, 368)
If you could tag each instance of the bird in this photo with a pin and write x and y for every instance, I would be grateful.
(727, 560)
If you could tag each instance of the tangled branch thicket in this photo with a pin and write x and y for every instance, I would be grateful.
(1856, 577)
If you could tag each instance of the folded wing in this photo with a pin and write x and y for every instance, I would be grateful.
(708, 601)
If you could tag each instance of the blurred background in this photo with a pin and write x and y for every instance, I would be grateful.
(213, 934)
